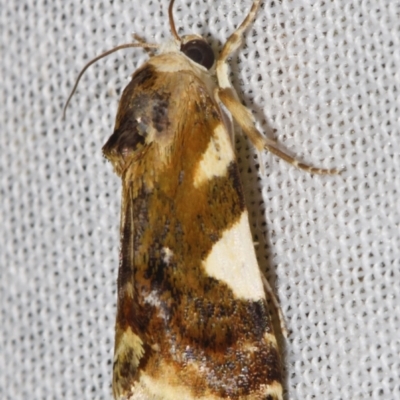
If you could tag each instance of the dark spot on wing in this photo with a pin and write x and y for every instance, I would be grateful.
(160, 104)
(142, 108)
(143, 75)
(234, 176)
(126, 138)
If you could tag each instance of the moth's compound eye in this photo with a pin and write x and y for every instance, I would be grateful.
(199, 52)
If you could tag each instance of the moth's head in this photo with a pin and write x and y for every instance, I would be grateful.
(198, 50)
(192, 46)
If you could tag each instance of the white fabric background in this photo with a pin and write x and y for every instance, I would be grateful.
(321, 76)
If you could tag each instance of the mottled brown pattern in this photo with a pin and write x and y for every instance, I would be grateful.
(196, 334)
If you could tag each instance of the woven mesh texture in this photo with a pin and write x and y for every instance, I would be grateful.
(320, 76)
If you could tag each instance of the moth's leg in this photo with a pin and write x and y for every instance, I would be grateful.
(151, 52)
(244, 119)
(275, 302)
(232, 44)
(227, 95)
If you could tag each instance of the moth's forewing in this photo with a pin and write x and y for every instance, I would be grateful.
(192, 316)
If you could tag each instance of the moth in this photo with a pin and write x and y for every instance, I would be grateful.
(192, 316)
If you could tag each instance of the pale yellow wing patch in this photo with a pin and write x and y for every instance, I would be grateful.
(232, 260)
(216, 159)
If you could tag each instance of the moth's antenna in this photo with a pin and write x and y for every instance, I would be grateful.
(107, 53)
(172, 23)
